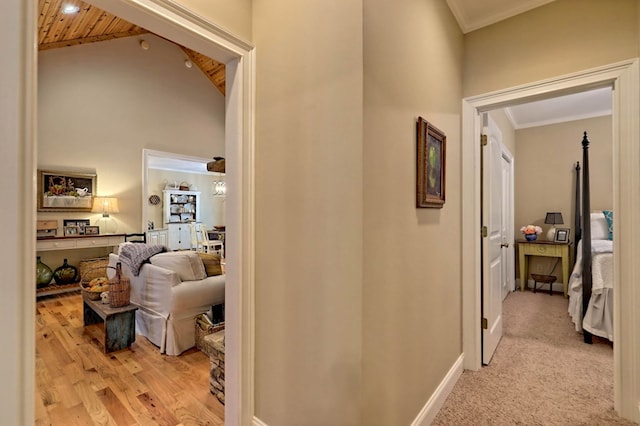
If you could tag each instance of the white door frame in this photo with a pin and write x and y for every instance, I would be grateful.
(624, 77)
(178, 24)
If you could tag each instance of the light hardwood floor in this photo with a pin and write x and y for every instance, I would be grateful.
(77, 384)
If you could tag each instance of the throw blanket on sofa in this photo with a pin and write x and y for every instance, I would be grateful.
(135, 255)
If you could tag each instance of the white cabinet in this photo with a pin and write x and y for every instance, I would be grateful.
(180, 207)
(179, 236)
(158, 237)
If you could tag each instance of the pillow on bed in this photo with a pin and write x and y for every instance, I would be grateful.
(608, 215)
(599, 228)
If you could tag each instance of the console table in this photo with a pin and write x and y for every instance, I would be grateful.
(546, 249)
(79, 242)
(70, 243)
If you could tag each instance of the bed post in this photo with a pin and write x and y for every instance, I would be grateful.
(577, 220)
(586, 234)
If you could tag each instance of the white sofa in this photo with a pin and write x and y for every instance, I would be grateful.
(170, 291)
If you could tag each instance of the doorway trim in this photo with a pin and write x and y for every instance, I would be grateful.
(178, 24)
(624, 78)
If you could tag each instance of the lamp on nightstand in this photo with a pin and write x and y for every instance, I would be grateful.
(553, 218)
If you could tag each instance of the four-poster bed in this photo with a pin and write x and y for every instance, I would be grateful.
(591, 282)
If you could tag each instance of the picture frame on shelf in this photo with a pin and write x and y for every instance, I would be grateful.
(60, 191)
(92, 230)
(71, 231)
(80, 223)
(431, 167)
(562, 235)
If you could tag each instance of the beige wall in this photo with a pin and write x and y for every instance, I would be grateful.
(411, 310)
(100, 104)
(233, 15)
(561, 37)
(308, 212)
(545, 173)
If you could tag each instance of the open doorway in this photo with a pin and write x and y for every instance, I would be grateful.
(180, 25)
(545, 138)
(624, 79)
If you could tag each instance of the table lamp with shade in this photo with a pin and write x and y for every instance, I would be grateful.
(553, 218)
(106, 206)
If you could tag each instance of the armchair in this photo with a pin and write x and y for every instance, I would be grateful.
(170, 291)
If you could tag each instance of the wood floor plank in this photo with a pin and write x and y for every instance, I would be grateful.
(92, 403)
(77, 384)
(190, 411)
(116, 408)
(128, 361)
(66, 392)
(41, 412)
(74, 372)
(160, 414)
(73, 416)
(47, 353)
(69, 340)
(128, 397)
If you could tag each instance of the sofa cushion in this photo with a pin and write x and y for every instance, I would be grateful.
(211, 263)
(186, 264)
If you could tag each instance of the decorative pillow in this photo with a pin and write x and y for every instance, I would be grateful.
(608, 214)
(211, 263)
(598, 227)
(186, 264)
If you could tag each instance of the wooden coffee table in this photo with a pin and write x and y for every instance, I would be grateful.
(119, 323)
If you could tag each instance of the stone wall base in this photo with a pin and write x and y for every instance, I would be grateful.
(214, 344)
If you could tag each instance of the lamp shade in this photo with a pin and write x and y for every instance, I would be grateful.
(105, 205)
(554, 218)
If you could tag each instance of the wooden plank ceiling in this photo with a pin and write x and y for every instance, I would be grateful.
(90, 25)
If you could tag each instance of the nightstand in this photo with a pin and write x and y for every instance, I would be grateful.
(547, 249)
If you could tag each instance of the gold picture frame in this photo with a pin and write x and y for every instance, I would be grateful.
(65, 191)
(431, 165)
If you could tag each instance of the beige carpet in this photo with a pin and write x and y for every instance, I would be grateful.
(541, 374)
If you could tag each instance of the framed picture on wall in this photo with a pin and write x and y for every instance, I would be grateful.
(431, 173)
(65, 191)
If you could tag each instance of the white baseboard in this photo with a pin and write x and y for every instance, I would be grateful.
(433, 405)
(258, 422)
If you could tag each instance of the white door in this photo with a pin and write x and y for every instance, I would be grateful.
(508, 244)
(492, 241)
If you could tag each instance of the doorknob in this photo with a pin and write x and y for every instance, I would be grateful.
(504, 245)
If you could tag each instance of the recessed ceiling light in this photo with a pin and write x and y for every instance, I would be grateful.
(70, 8)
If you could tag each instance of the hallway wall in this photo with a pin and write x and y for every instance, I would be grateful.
(558, 38)
(412, 283)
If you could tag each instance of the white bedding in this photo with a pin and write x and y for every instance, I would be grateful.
(599, 318)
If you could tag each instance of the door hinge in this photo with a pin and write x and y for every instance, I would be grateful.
(483, 140)
(484, 231)
(485, 324)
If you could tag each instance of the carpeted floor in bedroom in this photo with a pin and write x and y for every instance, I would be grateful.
(541, 374)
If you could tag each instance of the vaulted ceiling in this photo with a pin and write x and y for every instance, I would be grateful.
(90, 24)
